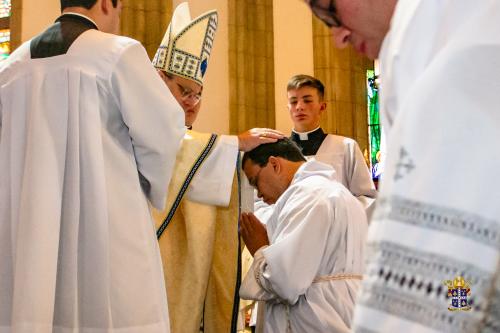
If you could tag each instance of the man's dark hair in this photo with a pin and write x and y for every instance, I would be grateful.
(302, 80)
(284, 148)
(82, 3)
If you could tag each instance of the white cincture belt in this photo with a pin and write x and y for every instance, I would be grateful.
(338, 277)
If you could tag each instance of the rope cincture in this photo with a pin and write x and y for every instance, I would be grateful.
(337, 277)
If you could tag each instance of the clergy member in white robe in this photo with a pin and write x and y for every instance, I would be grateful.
(306, 104)
(308, 259)
(435, 233)
(439, 214)
(82, 113)
(198, 229)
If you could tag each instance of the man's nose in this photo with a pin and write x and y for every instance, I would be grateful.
(188, 103)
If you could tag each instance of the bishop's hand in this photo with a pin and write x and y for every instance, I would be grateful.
(253, 232)
(256, 136)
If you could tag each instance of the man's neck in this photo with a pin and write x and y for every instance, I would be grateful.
(305, 131)
(79, 12)
(294, 167)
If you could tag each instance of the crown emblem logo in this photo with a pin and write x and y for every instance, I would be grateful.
(459, 291)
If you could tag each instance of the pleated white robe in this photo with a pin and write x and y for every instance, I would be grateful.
(438, 214)
(344, 155)
(78, 250)
(317, 231)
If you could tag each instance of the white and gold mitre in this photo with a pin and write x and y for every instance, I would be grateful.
(187, 44)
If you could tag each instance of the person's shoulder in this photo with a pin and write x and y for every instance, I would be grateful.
(346, 141)
(316, 179)
(108, 41)
(102, 51)
(16, 59)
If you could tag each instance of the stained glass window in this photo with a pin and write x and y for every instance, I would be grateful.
(4, 29)
(4, 8)
(4, 43)
(374, 122)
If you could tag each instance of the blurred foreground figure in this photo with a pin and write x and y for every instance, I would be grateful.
(436, 229)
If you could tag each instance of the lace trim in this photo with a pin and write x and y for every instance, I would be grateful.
(454, 221)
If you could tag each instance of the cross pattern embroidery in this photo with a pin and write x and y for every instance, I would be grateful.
(404, 166)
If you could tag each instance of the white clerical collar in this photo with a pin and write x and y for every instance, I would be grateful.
(304, 135)
(81, 15)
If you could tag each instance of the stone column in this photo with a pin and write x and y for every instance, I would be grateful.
(251, 64)
(146, 21)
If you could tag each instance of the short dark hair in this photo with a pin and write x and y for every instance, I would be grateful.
(82, 3)
(284, 148)
(302, 80)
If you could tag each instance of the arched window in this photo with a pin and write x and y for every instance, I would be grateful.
(4, 29)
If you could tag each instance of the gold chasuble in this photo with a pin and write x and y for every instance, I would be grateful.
(199, 249)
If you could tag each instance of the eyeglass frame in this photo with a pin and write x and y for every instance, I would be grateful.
(328, 15)
(255, 181)
(186, 93)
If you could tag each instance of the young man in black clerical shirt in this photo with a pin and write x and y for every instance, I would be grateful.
(306, 104)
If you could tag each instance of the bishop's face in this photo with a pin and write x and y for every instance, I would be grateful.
(305, 108)
(187, 93)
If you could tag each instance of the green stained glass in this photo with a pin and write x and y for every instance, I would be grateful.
(4, 43)
(373, 116)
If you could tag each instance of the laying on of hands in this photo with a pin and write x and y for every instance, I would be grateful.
(256, 136)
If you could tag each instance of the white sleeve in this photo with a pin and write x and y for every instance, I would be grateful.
(289, 265)
(153, 116)
(252, 285)
(359, 177)
(213, 182)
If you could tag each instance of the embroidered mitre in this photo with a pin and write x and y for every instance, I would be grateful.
(187, 44)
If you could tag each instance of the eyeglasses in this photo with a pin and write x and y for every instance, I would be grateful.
(188, 94)
(328, 15)
(254, 182)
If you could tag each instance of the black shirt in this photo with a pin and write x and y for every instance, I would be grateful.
(310, 145)
(57, 39)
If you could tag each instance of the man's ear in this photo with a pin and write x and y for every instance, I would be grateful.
(275, 164)
(322, 107)
(105, 6)
(161, 73)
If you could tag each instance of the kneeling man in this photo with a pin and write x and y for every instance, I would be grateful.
(308, 259)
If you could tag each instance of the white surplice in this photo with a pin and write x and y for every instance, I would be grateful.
(317, 232)
(438, 215)
(344, 155)
(78, 250)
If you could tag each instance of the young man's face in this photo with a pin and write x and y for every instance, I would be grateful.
(305, 108)
(265, 180)
(364, 23)
(187, 93)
